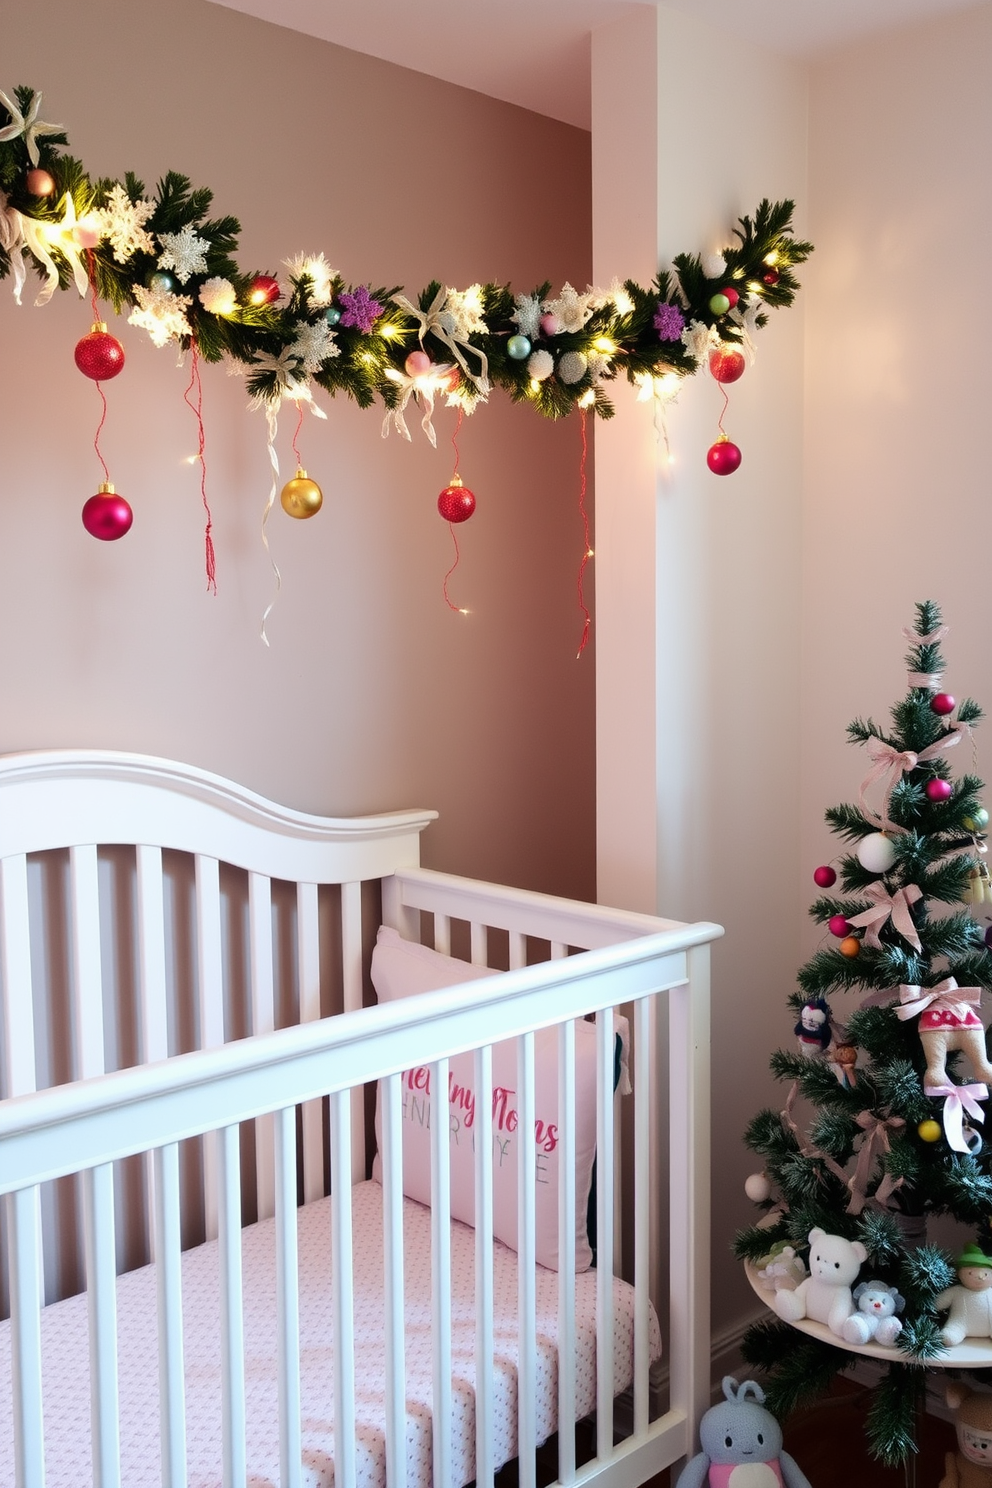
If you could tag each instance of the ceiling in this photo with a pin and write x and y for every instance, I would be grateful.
(535, 53)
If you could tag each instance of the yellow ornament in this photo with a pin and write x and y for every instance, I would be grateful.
(301, 497)
(929, 1131)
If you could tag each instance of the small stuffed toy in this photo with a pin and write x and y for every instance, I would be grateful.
(875, 1320)
(813, 1029)
(971, 1301)
(843, 1060)
(742, 1445)
(781, 1267)
(971, 1465)
(825, 1295)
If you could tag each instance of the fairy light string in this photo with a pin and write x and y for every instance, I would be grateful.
(586, 537)
(196, 387)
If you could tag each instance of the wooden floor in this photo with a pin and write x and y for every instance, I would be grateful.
(828, 1443)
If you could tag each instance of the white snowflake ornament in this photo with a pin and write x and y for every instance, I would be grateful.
(185, 253)
(314, 344)
(320, 274)
(161, 313)
(527, 316)
(122, 223)
(571, 309)
(461, 314)
(698, 338)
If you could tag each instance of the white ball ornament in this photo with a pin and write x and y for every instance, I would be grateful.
(758, 1187)
(876, 853)
(218, 296)
(714, 265)
(572, 367)
(541, 365)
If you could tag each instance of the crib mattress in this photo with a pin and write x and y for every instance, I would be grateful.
(66, 1368)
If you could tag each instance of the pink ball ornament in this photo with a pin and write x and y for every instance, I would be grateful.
(106, 515)
(824, 877)
(99, 354)
(938, 790)
(727, 364)
(839, 926)
(87, 232)
(942, 703)
(724, 457)
(730, 294)
(417, 364)
(550, 325)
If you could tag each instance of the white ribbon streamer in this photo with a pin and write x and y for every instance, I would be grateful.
(430, 321)
(27, 124)
(41, 237)
(425, 388)
(12, 243)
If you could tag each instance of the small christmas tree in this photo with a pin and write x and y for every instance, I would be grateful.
(876, 1133)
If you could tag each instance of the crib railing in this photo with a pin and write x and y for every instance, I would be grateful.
(87, 1126)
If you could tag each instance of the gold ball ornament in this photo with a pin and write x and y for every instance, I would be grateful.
(850, 946)
(301, 497)
(929, 1131)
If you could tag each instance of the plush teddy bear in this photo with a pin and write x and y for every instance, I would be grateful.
(971, 1465)
(875, 1318)
(742, 1445)
(971, 1301)
(825, 1295)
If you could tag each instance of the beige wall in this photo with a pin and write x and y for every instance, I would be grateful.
(373, 695)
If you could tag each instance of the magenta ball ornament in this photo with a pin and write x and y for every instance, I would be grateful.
(839, 926)
(824, 877)
(730, 294)
(938, 790)
(99, 355)
(106, 515)
(417, 364)
(456, 502)
(724, 457)
(942, 703)
(727, 364)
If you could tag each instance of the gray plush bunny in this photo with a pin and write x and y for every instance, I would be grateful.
(742, 1445)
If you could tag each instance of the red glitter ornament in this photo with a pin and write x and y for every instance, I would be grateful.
(938, 790)
(727, 364)
(456, 502)
(264, 290)
(825, 877)
(770, 276)
(724, 457)
(98, 354)
(942, 703)
(40, 182)
(107, 515)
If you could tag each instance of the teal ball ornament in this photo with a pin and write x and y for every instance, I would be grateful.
(163, 282)
(518, 347)
(719, 304)
(332, 315)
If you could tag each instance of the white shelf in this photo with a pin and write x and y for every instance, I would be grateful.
(974, 1353)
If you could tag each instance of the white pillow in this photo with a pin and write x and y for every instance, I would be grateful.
(400, 969)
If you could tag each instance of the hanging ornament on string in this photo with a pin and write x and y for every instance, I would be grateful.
(100, 356)
(726, 365)
(301, 497)
(197, 408)
(456, 504)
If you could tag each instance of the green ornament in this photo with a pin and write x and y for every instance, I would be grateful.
(977, 821)
(719, 304)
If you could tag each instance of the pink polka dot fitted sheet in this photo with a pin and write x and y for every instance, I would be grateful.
(66, 1366)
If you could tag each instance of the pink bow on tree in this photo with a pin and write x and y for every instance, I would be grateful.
(957, 1100)
(884, 905)
(946, 997)
(893, 764)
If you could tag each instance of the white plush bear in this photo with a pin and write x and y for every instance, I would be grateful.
(825, 1295)
(875, 1318)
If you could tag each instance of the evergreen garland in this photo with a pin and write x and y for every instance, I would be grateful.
(613, 331)
(937, 847)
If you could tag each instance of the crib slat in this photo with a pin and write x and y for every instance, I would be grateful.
(518, 950)
(24, 1230)
(153, 1030)
(479, 944)
(287, 1299)
(87, 982)
(262, 1021)
(566, 1251)
(19, 1075)
(526, 1261)
(308, 956)
(210, 1005)
(165, 1164)
(485, 1464)
(342, 1264)
(442, 934)
(351, 969)
(605, 1045)
(392, 1229)
(228, 1148)
(441, 1274)
(98, 1230)
(644, 1011)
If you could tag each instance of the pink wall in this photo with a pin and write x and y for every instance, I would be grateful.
(372, 695)
(897, 487)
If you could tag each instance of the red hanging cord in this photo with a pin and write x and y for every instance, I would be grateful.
(451, 529)
(587, 550)
(99, 387)
(197, 409)
(726, 405)
(296, 435)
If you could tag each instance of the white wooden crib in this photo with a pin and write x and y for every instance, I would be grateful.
(221, 1326)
